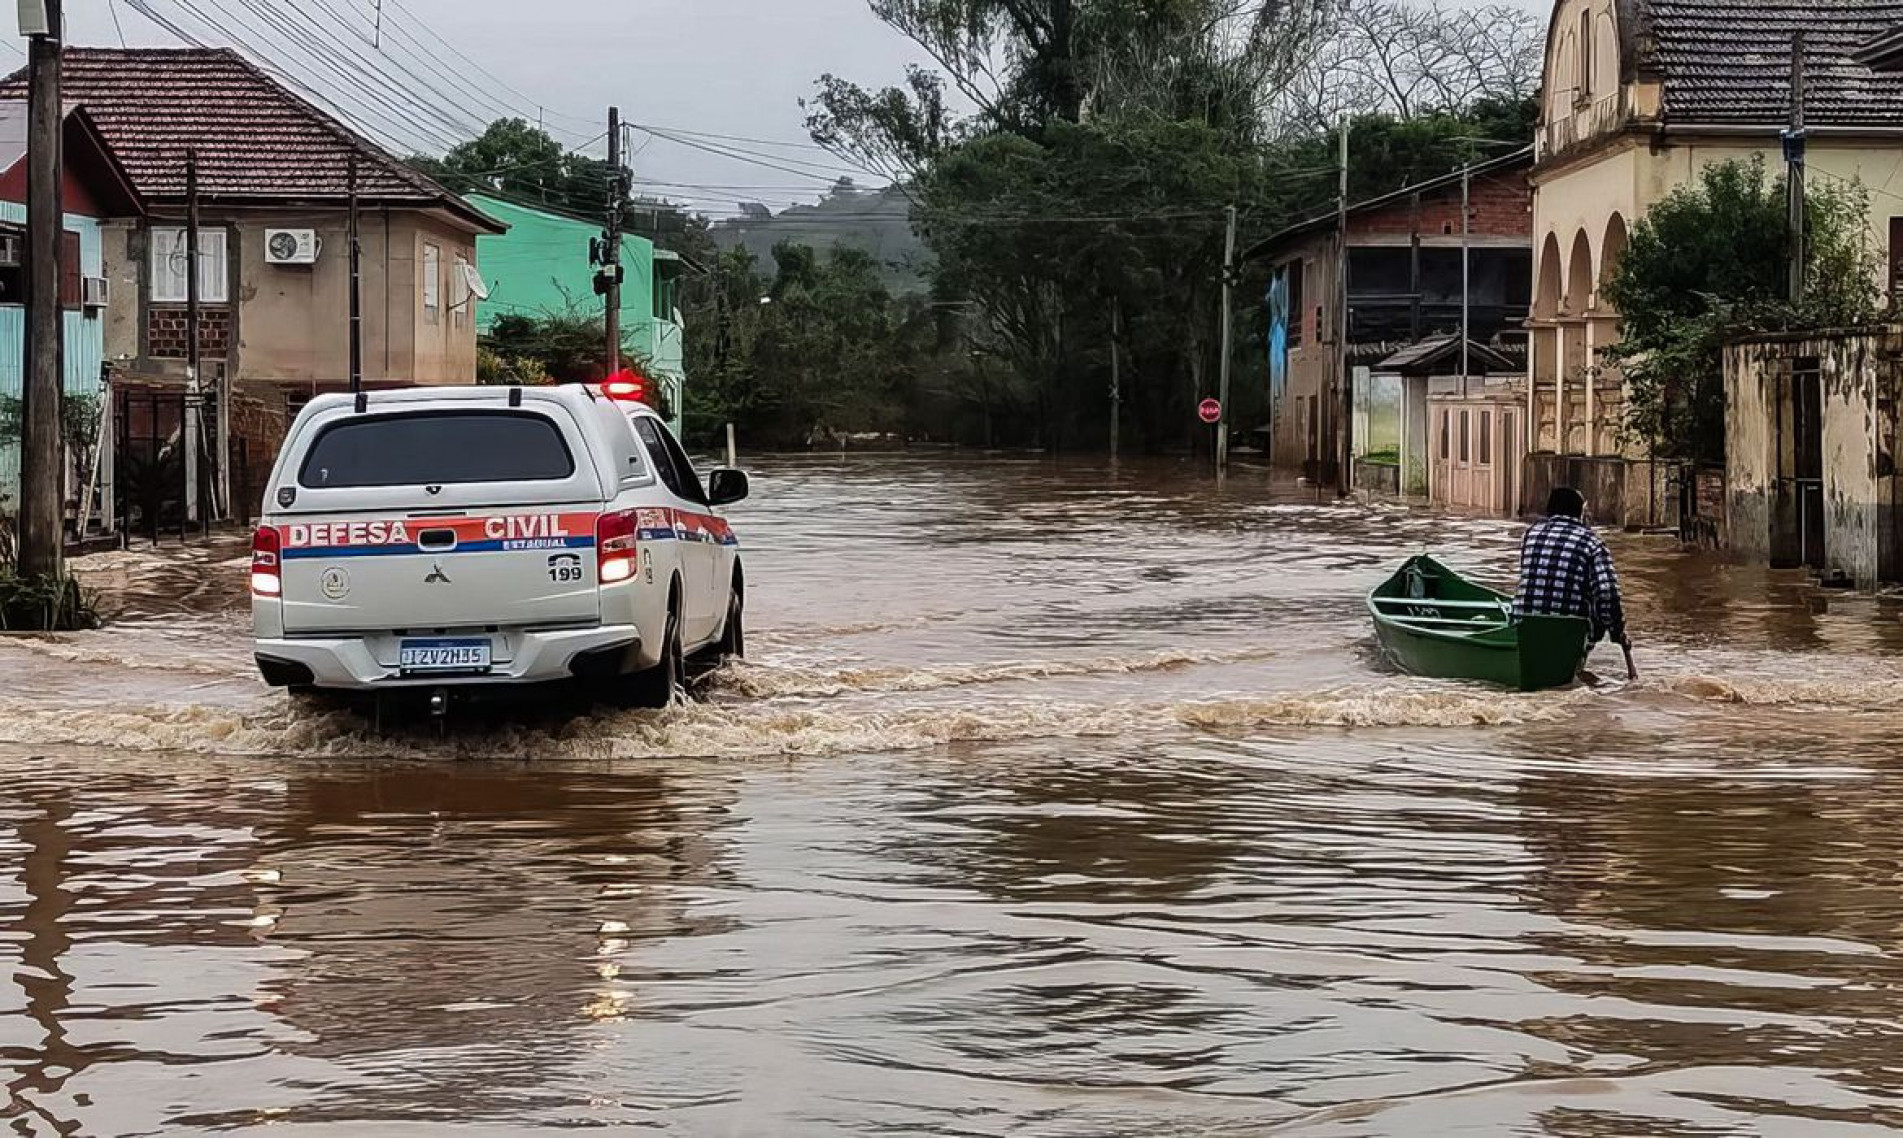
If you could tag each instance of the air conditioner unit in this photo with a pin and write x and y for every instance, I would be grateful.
(291, 246)
(95, 292)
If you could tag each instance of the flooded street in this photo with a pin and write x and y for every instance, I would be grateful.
(1051, 803)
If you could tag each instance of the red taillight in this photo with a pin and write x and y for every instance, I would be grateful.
(615, 554)
(267, 549)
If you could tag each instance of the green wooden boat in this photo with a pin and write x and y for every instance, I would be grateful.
(1434, 622)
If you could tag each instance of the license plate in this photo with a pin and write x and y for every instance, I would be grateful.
(443, 655)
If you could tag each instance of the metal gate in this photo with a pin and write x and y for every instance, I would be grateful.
(165, 465)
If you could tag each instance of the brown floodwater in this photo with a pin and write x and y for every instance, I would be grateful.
(1054, 801)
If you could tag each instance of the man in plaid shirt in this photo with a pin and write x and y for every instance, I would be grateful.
(1566, 570)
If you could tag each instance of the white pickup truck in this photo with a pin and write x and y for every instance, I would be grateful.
(438, 537)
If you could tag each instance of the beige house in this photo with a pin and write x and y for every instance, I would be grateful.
(1639, 95)
(273, 256)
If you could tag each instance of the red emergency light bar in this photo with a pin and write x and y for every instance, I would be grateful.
(627, 385)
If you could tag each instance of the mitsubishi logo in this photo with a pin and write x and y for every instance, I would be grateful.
(436, 575)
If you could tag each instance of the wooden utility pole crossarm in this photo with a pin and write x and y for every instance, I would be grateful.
(41, 448)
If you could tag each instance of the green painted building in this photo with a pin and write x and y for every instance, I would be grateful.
(540, 266)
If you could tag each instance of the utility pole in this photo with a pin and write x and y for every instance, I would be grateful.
(612, 252)
(1466, 270)
(1116, 376)
(41, 447)
(1228, 293)
(1344, 411)
(1794, 169)
(194, 389)
(356, 287)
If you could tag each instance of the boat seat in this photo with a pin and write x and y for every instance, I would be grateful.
(1437, 603)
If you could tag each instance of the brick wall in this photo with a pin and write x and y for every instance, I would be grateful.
(166, 337)
(1501, 206)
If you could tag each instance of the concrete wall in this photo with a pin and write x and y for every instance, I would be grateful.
(290, 323)
(1860, 383)
(1754, 388)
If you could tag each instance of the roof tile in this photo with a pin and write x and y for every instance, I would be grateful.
(1729, 61)
(255, 138)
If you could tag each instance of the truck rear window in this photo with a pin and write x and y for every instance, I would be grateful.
(437, 448)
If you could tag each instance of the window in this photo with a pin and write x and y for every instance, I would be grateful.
(1445, 454)
(1896, 264)
(1585, 56)
(169, 283)
(437, 448)
(670, 462)
(460, 297)
(1465, 453)
(1486, 438)
(432, 282)
(12, 265)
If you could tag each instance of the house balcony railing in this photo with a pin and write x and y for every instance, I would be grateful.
(1585, 123)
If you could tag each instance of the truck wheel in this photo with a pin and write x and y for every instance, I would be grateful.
(733, 635)
(655, 688)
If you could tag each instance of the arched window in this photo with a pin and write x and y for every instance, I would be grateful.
(1605, 50)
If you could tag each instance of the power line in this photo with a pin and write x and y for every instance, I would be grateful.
(396, 6)
(742, 138)
(390, 117)
(360, 67)
(113, 7)
(809, 170)
(461, 82)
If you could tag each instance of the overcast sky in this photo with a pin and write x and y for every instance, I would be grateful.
(723, 67)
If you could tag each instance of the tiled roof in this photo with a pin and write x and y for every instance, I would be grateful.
(256, 140)
(1729, 61)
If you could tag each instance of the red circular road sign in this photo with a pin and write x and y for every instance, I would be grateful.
(1209, 411)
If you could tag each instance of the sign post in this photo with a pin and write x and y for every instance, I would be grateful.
(1210, 411)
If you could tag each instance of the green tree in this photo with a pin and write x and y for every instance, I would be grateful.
(818, 349)
(1109, 138)
(524, 163)
(1711, 262)
(565, 346)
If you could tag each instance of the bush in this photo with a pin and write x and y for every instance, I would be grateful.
(45, 604)
(1709, 263)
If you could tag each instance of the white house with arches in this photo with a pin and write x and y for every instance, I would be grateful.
(1638, 96)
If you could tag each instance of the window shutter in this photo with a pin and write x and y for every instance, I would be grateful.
(69, 269)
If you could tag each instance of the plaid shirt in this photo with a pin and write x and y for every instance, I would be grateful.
(1566, 569)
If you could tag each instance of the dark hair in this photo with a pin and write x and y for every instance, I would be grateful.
(1566, 502)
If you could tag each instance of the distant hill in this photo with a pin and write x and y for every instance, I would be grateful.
(876, 222)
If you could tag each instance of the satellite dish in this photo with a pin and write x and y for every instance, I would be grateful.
(478, 288)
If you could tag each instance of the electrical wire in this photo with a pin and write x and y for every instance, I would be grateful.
(397, 30)
(359, 69)
(784, 165)
(113, 7)
(391, 6)
(391, 116)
